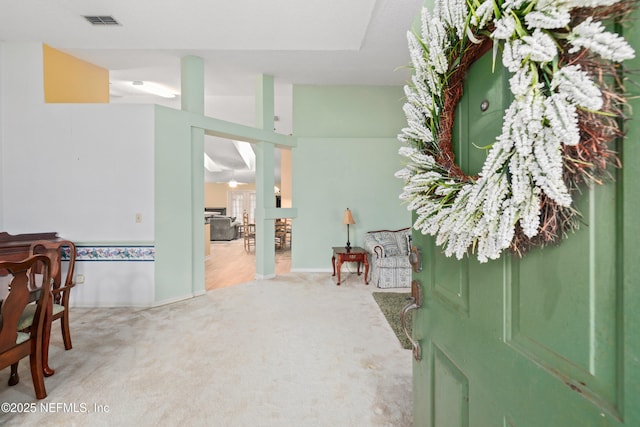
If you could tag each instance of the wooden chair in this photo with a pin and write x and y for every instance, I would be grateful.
(248, 232)
(20, 292)
(62, 281)
(282, 233)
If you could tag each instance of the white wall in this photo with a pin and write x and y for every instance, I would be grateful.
(115, 284)
(92, 167)
(83, 170)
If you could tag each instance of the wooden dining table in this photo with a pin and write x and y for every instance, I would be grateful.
(16, 248)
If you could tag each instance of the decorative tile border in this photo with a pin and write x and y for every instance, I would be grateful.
(112, 253)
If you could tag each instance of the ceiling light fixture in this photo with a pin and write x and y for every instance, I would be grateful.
(153, 88)
(233, 183)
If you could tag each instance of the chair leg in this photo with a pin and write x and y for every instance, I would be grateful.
(35, 359)
(64, 325)
(14, 378)
(46, 338)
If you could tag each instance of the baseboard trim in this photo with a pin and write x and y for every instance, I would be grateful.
(119, 304)
(176, 299)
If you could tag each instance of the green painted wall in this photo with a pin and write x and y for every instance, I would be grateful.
(345, 158)
(347, 111)
(173, 206)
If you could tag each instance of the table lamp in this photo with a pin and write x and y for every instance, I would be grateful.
(348, 219)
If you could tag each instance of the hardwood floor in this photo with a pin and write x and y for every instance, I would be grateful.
(229, 264)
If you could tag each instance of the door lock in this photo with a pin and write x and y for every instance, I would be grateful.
(415, 256)
(415, 259)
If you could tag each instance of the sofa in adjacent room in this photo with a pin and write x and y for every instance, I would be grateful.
(389, 258)
(223, 227)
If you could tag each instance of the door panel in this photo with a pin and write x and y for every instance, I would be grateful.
(534, 341)
(451, 283)
(483, 102)
(451, 404)
(561, 305)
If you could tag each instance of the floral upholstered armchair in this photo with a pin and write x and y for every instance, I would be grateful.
(389, 257)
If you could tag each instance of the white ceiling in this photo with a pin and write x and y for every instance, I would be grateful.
(319, 42)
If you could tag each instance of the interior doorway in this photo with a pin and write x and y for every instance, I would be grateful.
(227, 261)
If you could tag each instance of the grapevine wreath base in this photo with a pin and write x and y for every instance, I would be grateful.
(567, 108)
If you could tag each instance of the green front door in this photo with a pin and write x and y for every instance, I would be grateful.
(548, 340)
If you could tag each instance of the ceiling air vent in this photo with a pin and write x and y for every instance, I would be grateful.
(101, 20)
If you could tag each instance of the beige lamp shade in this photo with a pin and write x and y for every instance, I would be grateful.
(348, 218)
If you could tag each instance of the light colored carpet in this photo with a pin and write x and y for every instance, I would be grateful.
(296, 350)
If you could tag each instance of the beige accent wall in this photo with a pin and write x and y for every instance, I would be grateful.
(215, 194)
(68, 79)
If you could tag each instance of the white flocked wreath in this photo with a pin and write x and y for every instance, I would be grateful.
(557, 52)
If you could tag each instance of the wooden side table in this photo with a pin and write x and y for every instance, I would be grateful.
(355, 254)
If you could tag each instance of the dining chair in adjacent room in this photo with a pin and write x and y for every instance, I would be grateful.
(249, 232)
(282, 233)
(18, 292)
